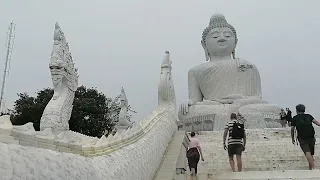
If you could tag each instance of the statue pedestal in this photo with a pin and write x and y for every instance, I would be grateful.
(215, 117)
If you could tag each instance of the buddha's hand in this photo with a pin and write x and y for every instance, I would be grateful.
(184, 107)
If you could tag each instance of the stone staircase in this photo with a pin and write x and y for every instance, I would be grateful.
(269, 154)
(262, 175)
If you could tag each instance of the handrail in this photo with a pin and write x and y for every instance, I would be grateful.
(77, 143)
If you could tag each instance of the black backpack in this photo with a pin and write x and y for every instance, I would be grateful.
(237, 130)
(304, 127)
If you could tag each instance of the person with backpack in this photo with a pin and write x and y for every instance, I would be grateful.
(236, 141)
(306, 135)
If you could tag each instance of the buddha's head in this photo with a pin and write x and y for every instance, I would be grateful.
(219, 38)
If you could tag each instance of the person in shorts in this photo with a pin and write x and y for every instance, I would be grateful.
(235, 145)
(306, 135)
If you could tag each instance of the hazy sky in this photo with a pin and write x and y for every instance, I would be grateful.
(122, 43)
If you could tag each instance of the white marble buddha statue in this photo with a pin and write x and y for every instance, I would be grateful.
(225, 84)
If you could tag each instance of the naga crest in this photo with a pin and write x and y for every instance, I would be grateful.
(61, 63)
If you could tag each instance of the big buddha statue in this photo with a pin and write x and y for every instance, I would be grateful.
(224, 84)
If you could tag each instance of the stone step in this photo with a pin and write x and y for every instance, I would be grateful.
(260, 175)
(254, 131)
(264, 158)
(267, 150)
(268, 175)
(260, 153)
(261, 167)
(268, 154)
(252, 137)
(255, 166)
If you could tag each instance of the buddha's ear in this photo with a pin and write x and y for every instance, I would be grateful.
(234, 51)
(205, 51)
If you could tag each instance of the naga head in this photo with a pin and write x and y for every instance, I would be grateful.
(61, 64)
(219, 38)
(166, 63)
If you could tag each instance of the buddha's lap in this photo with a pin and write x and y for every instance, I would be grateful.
(260, 108)
(227, 109)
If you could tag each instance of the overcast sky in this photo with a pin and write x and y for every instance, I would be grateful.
(122, 43)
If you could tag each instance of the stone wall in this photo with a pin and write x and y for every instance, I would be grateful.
(123, 159)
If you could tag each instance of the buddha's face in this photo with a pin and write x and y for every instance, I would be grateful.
(220, 42)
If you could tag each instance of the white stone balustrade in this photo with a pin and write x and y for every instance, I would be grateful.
(134, 154)
(73, 142)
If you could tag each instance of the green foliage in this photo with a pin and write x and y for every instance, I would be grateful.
(92, 113)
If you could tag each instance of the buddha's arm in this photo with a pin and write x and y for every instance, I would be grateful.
(195, 94)
(257, 83)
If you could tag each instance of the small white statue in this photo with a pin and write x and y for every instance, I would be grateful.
(123, 121)
(65, 82)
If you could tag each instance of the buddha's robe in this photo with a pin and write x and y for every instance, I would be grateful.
(223, 79)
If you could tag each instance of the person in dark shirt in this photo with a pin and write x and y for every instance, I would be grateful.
(289, 116)
(283, 120)
(303, 123)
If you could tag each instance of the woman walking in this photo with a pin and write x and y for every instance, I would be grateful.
(193, 154)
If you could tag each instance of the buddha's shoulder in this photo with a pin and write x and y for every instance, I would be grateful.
(232, 63)
(201, 67)
(243, 61)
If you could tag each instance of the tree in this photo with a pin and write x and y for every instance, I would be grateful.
(92, 113)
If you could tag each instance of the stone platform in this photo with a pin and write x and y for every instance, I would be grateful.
(269, 154)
